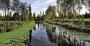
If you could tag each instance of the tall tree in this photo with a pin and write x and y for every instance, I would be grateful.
(50, 13)
(24, 11)
(30, 13)
(71, 8)
(34, 16)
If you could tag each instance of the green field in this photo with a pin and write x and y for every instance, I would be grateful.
(81, 19)
(17, 36)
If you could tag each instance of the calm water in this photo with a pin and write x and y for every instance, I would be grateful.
(39, 36)
(54, 35)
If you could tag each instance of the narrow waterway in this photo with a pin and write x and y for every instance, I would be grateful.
(39, 37)
(55, 35)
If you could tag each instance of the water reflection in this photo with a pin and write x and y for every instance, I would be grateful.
(39, 37)
(52, 35)
(30, 34)
(65, 37)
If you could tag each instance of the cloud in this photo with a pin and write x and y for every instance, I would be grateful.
(51, 2)
(41, 5)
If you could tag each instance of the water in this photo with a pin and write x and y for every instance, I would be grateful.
(39, 37)
(54, 35)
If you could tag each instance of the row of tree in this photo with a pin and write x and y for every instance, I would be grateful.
(23, 11)
(71, 8)
(67, 9)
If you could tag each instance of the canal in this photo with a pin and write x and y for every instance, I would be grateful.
(55, 35)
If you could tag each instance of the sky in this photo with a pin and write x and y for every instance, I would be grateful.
(83, 10)
(39, 5)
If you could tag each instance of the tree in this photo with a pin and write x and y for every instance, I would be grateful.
(34, 16)
(30, 14)
(69, 8)
(24, 12)
(50, 13)
(5, 6)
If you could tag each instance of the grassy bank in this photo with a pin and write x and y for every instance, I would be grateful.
(16, 37)
(81, 25)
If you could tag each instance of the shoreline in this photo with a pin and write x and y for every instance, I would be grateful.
(80, 29)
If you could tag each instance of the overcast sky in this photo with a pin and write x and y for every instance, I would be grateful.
(39, 5)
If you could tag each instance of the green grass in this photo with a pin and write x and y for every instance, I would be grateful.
(86, 19)
(18, 35)
(81, 19)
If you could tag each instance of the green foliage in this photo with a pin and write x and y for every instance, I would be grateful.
(50, 13)
(67, 8)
